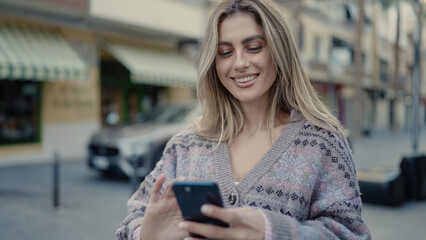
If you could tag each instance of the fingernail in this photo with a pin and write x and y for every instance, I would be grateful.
(183, 225)
(206, 209)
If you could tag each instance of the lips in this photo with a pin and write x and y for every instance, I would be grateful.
(244, 81)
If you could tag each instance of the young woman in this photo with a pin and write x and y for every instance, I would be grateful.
(279, 157)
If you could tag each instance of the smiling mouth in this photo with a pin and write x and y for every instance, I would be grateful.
(246, 79)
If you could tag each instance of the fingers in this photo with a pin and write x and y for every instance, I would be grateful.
(156, 189)
(192, 238)
(207, 230)
(244, 223)
(181, 234)
(219, 213)
(155, 192)
(168, 192)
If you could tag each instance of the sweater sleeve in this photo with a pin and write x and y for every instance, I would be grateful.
(138, 202)
(332, 223)
(137, 205)
(335, 208)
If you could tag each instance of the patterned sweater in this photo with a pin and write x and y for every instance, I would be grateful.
(305, 184)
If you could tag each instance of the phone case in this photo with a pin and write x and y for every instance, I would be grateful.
(192, 195)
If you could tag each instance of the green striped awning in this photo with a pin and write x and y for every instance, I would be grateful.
(153, 66)
(30, 52)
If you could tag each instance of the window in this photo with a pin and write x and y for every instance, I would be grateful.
(383, 71)
(19, 111)
(317, 48)
(300, 36)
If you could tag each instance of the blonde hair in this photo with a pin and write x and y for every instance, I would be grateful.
(223, 118)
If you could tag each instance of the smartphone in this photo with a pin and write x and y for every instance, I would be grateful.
(192, 195)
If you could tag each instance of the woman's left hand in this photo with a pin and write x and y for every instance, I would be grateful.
(244, 223)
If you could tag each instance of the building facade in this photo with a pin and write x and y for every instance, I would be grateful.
(66, 65)
(327, 35)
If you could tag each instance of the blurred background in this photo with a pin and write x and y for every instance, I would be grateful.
(91, 90)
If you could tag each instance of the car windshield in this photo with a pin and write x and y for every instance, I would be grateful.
(168, 113)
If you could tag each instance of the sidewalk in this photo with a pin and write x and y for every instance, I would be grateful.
(391, 223)
(385, 148)
(92, 207)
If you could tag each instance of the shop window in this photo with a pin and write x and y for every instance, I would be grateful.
(122, 101)
(19, 112)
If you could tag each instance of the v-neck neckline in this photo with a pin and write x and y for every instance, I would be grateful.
(223, 171)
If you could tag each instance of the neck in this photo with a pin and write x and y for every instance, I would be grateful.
(255, 118)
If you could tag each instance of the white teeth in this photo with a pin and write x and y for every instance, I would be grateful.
(245, 79)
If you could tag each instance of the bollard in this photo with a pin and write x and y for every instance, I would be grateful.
(141, 168)
(56, 181)
(135, 177)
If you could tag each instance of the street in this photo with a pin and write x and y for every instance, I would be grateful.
(91, 207)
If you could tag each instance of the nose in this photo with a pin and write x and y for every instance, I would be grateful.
(241, 61)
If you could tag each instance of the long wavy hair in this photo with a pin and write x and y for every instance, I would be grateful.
(222, 118)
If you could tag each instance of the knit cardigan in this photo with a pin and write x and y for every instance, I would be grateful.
(305, 184)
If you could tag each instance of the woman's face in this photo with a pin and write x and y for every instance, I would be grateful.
(243, 60)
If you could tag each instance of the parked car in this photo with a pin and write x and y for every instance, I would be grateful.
(118, 151)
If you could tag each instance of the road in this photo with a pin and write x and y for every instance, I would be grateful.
(91, 207)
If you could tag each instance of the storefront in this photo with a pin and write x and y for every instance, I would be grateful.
(48, 89)
(19, 112)
(136, 75)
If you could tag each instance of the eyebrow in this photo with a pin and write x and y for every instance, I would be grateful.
(244, 41)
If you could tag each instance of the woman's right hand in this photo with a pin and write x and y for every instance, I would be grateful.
(162, 215)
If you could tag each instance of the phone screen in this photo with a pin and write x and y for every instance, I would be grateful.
(192, 195)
